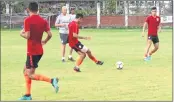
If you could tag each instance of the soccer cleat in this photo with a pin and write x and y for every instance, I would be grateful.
(63, 60)
(146, 59)
(149, 57)
(99, 63)
(71, 59)
(77, 69)
(55, 84)
(25, 98)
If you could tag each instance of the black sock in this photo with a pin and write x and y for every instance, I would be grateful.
(28, 95)
(51, 80)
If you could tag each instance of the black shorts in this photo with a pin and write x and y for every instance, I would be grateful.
(154, 39)
(32, 61)
(80, 47)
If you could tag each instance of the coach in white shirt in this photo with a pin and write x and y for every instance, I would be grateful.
(62, 22)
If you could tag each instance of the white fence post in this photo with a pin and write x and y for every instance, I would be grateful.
(67, 6)
(98, 14)
(7, 8)
(126, 13)
(104, 4)
(158, 8)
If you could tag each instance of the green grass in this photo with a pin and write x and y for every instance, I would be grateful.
(138, 80)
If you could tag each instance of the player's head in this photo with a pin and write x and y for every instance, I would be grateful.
(72, 11)
(33, 7)
(79, 17)
(64, 10)
(153, 11)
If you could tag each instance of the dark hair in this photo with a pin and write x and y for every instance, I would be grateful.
(79, 15)
(72, 9)
(33, 6)
(153, 8)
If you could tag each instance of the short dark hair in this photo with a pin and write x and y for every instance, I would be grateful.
(79, 15)
(33, 6)
(72, 9)
(153, 8)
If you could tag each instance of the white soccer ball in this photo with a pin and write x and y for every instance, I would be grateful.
(119, 65)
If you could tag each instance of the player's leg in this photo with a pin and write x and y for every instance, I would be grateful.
(149, 43)
(29, 73)
(63, 52)
(28, 83)
(63, 45)
(79, 60)
(155, 41)
(71, 51)
(70, 55)
(156, 45)
(39, 77)
(93, 58)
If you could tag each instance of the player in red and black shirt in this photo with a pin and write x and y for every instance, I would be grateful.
(34, 26)
(77, 45)
(153, 22)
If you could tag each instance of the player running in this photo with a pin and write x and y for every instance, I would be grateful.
(34, 26)
(153, 22)
(77, 45)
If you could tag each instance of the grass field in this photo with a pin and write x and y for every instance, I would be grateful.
(138, 80)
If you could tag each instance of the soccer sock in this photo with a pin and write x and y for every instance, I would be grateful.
(28, 82)
(93, 58)
(39, 77)
(79, 61)
(70, 56)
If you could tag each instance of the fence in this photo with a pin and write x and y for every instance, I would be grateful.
(101, 13)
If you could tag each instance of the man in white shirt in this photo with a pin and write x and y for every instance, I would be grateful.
(62, 22)
(73, 15)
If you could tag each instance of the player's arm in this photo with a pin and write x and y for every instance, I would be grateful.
(25, 32)
(144, 28)
(159, 27)
(49, 34)
(81, 37)
(57, 23)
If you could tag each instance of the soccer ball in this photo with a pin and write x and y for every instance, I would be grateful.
(119, 65)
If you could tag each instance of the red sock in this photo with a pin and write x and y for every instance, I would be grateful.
(93, 58)
(39, 77)
(28, 82)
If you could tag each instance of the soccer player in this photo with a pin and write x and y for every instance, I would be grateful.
(154, 26)
(73, 15)
(77, 45)
(34, 26)
(62, 22)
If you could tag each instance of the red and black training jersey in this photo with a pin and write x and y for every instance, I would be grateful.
(73, 28)
(153, 23)
(36, 25)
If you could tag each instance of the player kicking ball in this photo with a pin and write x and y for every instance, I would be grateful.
(34, 26)
(153, 23)
(77, 45)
